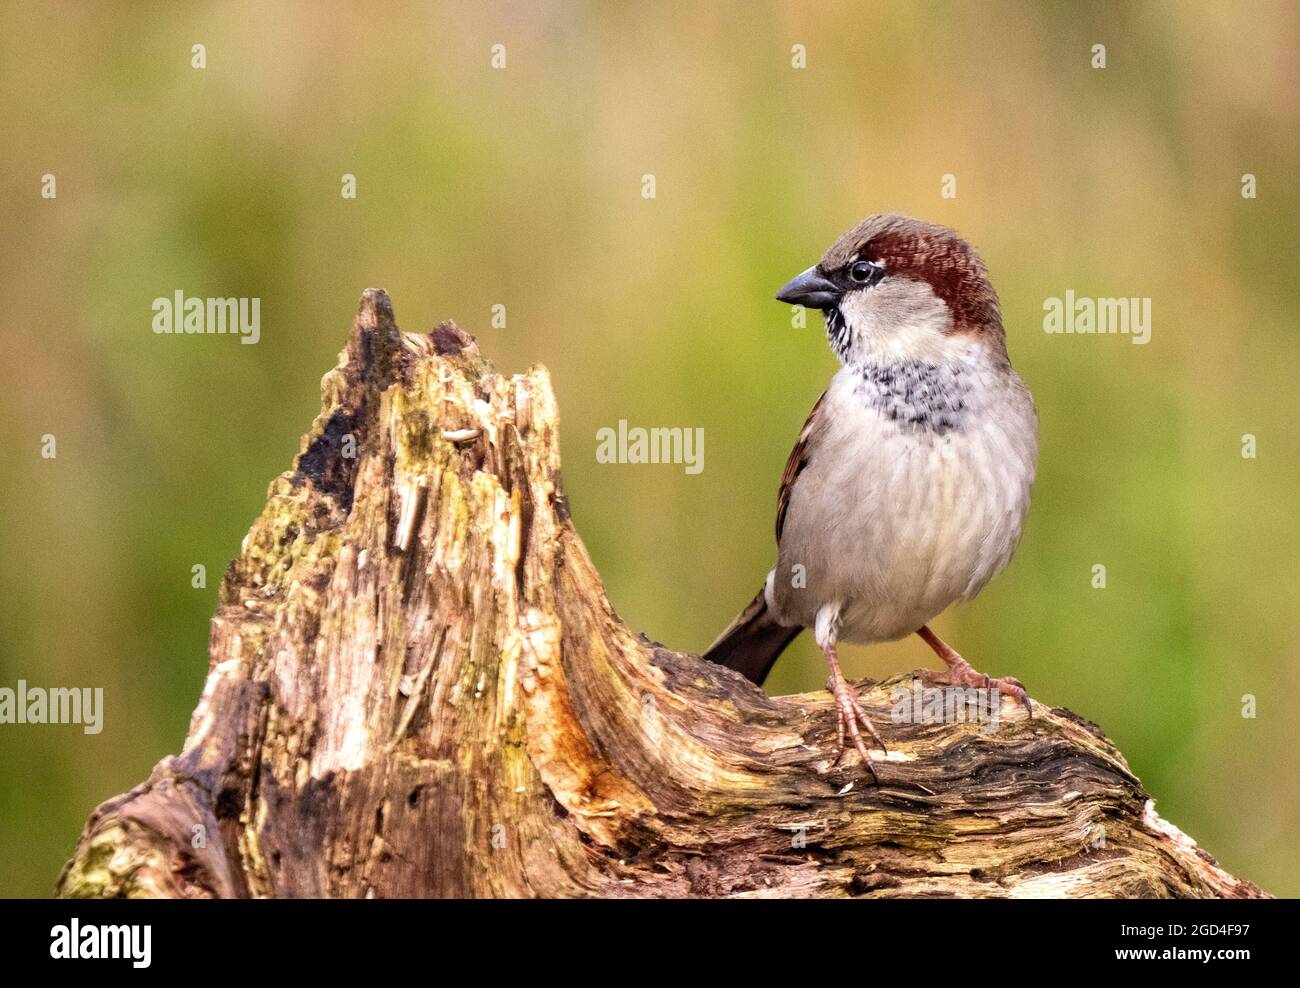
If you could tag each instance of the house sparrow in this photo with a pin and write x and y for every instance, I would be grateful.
(909, 485)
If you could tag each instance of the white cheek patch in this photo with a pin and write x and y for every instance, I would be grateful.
(898, 320)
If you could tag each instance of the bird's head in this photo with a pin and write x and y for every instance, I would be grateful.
(895, 289)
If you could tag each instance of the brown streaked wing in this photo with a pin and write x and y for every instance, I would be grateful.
(794, 466)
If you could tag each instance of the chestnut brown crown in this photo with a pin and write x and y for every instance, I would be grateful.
(926, 252)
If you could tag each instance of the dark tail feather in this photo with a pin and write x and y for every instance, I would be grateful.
(753, 641)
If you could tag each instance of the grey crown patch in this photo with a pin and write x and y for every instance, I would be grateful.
(920, 397)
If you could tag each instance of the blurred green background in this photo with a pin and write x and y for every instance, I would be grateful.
(522, 186)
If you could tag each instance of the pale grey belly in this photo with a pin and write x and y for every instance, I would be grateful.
(895, 525)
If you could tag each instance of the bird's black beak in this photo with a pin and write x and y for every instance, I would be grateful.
(810, 290)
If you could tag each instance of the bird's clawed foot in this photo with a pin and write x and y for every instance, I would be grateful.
(848, 714)
(964, 674)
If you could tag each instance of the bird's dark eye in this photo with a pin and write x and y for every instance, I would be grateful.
(862, 272)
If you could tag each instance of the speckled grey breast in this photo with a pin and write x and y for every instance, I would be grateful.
(919, 396)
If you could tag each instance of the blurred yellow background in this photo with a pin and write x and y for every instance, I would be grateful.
(522, 186)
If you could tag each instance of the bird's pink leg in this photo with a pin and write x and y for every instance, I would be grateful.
(962, 673)
(848, 713)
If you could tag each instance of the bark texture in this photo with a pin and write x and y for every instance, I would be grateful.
(418, 688)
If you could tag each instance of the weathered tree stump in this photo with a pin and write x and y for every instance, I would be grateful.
(418, 688)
